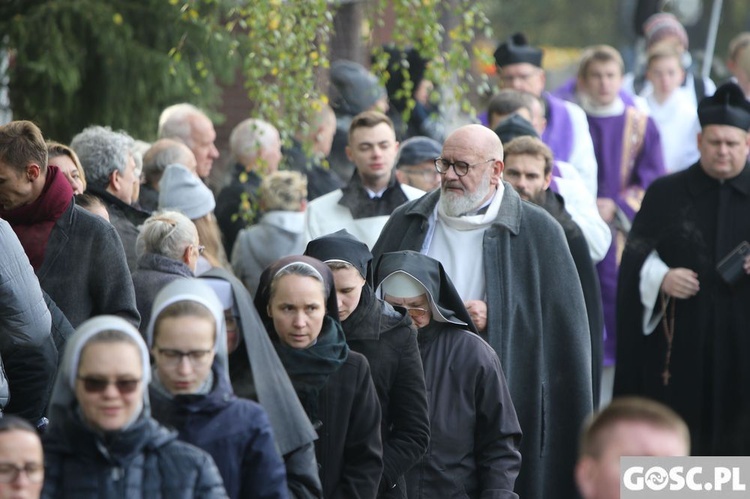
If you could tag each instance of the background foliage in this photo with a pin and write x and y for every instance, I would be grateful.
(114, 62)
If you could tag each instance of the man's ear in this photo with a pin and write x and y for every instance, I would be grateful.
(497, 171)
(584, 475)
(349, 153)
(268, 311)
(114, 180)
(33, 172)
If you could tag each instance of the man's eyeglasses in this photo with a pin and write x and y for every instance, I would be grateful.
(9, 473)
(460, 167)
(174, 357)
(93, 384)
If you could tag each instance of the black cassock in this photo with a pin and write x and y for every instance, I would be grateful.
(692, 221)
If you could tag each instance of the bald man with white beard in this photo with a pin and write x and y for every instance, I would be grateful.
(521, 291)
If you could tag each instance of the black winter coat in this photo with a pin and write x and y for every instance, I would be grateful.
(475, 432)
(236, 433)
(388, 340)
(349, 449)
(145, 461)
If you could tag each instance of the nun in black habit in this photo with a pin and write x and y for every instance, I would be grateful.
(475, 434)
(389, 341)
(257, 374)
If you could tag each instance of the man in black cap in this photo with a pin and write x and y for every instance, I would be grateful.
(684, 292)
(415, 164)
(519, 66)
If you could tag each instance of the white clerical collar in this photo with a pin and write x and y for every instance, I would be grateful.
(375, 195)
(616, 108)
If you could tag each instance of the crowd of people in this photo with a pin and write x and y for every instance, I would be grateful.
(385, 308)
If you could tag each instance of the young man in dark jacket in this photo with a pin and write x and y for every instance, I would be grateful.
(389, 341)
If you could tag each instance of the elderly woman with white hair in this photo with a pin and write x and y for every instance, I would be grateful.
(102, 441)
(168, 249)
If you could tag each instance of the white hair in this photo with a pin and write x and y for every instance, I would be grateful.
(174, 122)
(250, 137)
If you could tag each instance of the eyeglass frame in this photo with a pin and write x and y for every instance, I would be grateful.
(462, 165)
(92, 384)
(174, 357)
(422, 311)
(9, 472)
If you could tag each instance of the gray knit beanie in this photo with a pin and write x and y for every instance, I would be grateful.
(182, 190)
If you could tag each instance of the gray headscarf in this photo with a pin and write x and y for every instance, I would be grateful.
(63, 393)
(291, 426)
(198, 291)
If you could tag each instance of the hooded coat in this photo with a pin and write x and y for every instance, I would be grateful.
(236, 432)
(475, 434)
(345, 411)
(142, 460)
(386, 337)
(257, 374)
(536, 322)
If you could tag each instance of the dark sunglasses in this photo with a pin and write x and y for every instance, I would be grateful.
(98, 385)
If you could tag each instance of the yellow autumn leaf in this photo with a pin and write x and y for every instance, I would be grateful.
(117, 18)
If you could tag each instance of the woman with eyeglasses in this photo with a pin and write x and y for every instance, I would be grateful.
(296, 299)
(474, 431)
(168, 248)
(102, 441)
(191, 392)
(21, 459)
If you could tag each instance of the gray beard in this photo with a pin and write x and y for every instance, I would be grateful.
(455, 205)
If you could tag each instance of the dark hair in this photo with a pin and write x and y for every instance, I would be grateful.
(369, 119)
(22, 143)
(184, 308)
(628, 409)
(10, 423)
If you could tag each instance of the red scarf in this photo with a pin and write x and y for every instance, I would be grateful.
(33, 222)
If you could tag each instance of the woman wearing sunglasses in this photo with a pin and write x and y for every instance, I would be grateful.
(191, 392)
(297, 301)
(102, 441)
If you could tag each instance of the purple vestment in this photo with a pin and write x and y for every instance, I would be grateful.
(624, 181)
(559, 134)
